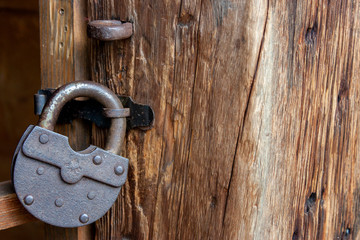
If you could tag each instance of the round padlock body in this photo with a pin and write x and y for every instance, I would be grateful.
(45, 195)
(58, 185)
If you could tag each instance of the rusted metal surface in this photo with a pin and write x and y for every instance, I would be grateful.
(53, 148)
(48, 180)
(62, 187)
(89, 89)
(109, 30)
(116, 113)
(140, 116)
(18, 148)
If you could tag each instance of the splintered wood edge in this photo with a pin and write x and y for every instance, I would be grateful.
(12, 213)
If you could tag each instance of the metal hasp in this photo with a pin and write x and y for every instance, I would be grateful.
(109, 30)
(137, 115)
(63, 187)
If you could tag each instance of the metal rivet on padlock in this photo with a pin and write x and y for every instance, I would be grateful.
(119, 170)
(97, 160)
(28, 200)
(91, 195)
(59, 202)
(63, 187)
(40, 171)
(84, 218)
(44, 138)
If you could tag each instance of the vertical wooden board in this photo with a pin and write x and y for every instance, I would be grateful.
(103, 63)
(116, 64)
(63, 58)
(300, 144)
(82, 129)
(81, 57)
(227, 62)
(256, 116)
(57, 43)
(175, 119)
(162, 63)
(106, 67)
(57, 66)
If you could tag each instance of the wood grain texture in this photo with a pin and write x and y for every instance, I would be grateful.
(256, 107)
(63, 60)
(57, 67)
(81, 138)
(57, 43)
(12, 213)
(297, 156)
(106, 67)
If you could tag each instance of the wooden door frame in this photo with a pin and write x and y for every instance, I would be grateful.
(63, 44)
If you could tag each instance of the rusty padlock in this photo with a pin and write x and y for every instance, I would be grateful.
(63, 187)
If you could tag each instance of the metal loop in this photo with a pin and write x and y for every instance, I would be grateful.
(116, 113)
(109, 30)
(89, 89)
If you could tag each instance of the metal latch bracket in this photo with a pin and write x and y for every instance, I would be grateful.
(138, 115)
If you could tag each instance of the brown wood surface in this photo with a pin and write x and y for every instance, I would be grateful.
(64, 59)
(57, 66)
(12, 213)
(256, 107)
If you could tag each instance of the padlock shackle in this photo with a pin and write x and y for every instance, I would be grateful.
(89, 89)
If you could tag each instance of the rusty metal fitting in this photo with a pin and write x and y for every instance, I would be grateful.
(109, 30)
(89, 89)
(116, 113)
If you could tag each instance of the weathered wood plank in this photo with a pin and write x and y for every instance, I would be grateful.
(106, 67)
(57, 43)
(256, 118)
(57, 66)
(12, 213)
(295, 168)
(82, 61)
(63, 60)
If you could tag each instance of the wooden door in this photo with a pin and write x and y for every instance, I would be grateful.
(256, 107)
